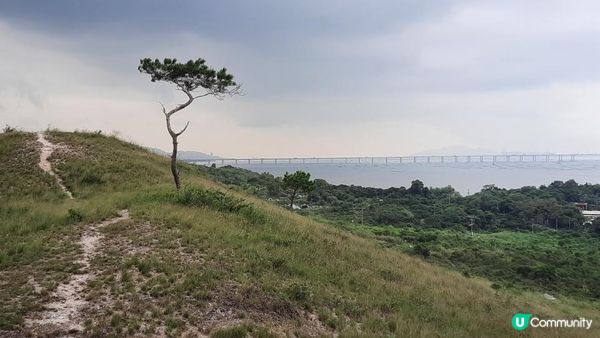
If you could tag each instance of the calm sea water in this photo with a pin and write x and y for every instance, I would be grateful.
(464, 177)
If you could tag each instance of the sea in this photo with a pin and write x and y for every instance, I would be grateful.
(466, 178)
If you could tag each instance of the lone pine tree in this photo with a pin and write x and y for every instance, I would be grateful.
(298, 181)
(195, 79)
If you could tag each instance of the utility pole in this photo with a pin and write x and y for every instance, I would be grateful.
(471, 224)
(362, 215)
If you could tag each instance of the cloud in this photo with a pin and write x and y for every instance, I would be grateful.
(397, 76)
(46, 86)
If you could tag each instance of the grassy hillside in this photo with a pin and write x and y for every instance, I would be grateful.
(218, 262)
(561, 261)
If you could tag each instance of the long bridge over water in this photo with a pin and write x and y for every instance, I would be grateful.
(421, 159)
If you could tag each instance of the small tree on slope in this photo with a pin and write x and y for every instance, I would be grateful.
(195, 79)
(298, 181)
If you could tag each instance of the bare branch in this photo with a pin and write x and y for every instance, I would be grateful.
(235, 90)
(184, 128)
(183, 105)
(203, 95)
(163, 108)
(168, 118)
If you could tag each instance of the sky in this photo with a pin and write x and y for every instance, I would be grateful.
(319, 78)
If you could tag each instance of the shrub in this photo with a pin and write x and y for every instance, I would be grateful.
(217, 200)
(194, 197)
(299, 292)
(8, 129)
(90, 178)
(421, 250)
(74, 216)
(233, 332)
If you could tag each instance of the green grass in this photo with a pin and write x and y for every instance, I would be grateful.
(21, 176)
(242, 332)
(559, 262)
(198, 259)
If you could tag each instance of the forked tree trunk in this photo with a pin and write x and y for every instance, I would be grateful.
(174, 136)
(174, 170)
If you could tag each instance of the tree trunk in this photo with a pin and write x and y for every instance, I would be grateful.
(292, 199)
(174, 170)
(174, 136)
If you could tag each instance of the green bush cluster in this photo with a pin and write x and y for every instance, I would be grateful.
(195, 197)
(559, 262)
(299, 292)
(74, 216)
(8, 129)
(421, 250)
(215, 199)
(243, 331)
(90, 178)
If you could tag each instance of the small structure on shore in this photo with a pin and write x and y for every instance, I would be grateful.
(590, 215)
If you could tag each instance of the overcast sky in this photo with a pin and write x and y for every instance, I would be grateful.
(320, 77)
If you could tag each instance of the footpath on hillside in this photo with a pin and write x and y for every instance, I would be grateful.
(46, 150)
(62, 315)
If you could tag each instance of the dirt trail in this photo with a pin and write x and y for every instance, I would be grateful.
(46, 151)
(62, 316)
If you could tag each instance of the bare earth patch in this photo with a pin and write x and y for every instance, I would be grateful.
(63, 314)
(46, 151)
(150, 284)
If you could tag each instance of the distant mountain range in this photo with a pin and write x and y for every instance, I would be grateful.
(184, 155)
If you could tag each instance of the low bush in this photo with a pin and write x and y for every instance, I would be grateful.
(421, 250)
(74, 216)
(299, 292)
(195, 197)
(8, 129)
(233, 332)
(89, 178)
(217, 200)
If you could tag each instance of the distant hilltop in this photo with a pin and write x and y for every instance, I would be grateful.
(185, 155)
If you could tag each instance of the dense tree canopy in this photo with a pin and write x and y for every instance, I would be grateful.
(490, 209)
